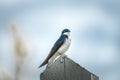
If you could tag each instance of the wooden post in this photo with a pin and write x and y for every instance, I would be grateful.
(66, 70)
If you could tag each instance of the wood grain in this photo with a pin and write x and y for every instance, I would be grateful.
(66, 70)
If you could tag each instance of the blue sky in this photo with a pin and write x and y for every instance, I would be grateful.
(94, 29)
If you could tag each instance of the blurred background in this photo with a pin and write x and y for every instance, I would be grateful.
(29, 28)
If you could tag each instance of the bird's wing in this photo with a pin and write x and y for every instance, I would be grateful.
(56, 46)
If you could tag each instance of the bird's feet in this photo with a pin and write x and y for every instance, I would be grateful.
(62, 58)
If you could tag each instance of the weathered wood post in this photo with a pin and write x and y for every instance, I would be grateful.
(66, 70)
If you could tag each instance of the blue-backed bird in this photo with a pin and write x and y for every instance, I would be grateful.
(59, 48)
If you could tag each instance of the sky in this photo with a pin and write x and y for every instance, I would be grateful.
(94, 29)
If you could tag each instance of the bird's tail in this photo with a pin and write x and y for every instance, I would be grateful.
(45, 62)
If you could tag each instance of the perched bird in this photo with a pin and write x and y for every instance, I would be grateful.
(59, 48)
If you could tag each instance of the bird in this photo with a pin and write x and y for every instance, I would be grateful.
(59, 48)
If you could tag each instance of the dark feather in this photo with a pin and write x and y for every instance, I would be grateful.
(55, 48)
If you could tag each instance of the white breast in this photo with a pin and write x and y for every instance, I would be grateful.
(65, 46)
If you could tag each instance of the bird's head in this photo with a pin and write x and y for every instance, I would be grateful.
(66, 32)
